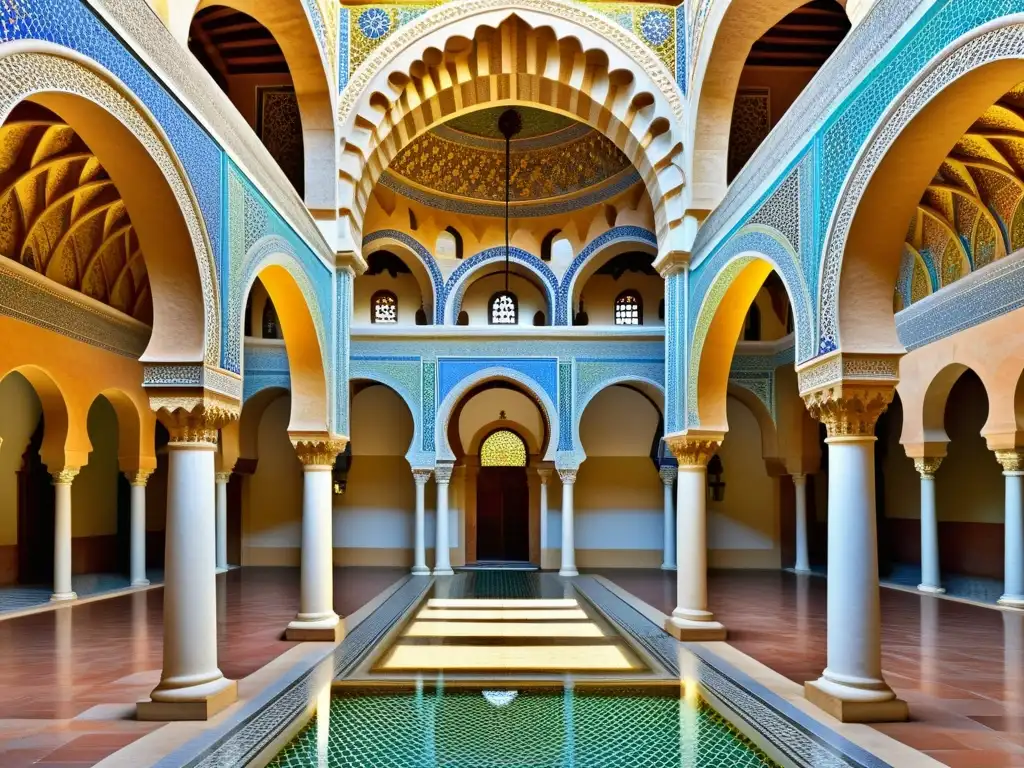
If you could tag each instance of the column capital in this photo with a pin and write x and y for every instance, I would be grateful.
(351, 261)
(668, 474)
(194, 418)
(850, 410)
(222, 477)
(421, 475)
(799, 478)
(672, 262)
(138, 477)
(694, 450)
(567, 476)
(443, 473)
(927, 466)
(318, 450)
(65, 476)
(544, 473)
(1012, 461)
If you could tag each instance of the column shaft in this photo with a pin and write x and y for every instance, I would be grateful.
(1013, 587)
(191, 684)
(544, 475)
(931, 579)
(222, 479)
(316, 619)
(668, 560)
(568, 568)
(62, 535)
(803, 563)
(442, 553)
(138, 527)
(419, 554)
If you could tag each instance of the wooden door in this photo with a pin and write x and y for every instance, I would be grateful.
(502, 514)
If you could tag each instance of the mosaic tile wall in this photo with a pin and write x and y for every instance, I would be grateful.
(363, 28)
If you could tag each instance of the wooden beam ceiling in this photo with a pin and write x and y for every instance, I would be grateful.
(804, 38)
(228, 42)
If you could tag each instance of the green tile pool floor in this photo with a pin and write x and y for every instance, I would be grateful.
(463, 729)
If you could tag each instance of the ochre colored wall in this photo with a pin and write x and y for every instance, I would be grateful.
(94, 491)
(600, 291)
(477, 298)
(784, 84)
(405, 288)
(19, 416)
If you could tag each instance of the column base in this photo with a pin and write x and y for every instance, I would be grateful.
(63, 597)
(221, 569)
(1011, 601)
(846, 711)
(688, 630)
(329, 630)
(667, 567)
(420, 570)
(798, 569)
(444, 572)
(202, 708)
(568, 573)
(140, 583)
(930, 589)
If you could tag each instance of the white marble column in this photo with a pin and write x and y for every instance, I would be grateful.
(138, 479)
(1013, 578)
(803, 562)
(691, 619)
(222, 479)
(668, 478)
(852, 688)
(316, 619)
(568, 569)
(419, 549)
(191, 686)
(545, 475)
(62, 534)
(931, 578)
(442, 546)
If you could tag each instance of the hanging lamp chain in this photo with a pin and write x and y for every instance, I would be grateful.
(510, 123)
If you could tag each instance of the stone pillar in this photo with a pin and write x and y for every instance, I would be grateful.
(568, 569)
(852, 688)
(545, 475)
(138, 480)
(222, 479)
(419, 549)
(316, 619)
(1013, 579)
(803, 562)
(191, 686)
(931, 579)
(62, 534)
(442, 547)
(668, 479)
(691, 620)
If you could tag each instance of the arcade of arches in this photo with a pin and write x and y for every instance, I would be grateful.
(595, 344)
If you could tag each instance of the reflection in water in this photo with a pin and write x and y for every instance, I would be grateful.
(930, 645)
(140, 630)
(689, 708)
(323, 727)
(567, 717)
(1013, 669)
(63, 647)
(803, 585)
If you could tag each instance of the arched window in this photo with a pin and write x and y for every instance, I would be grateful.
(269, 321)
(421, 316)
(504, 308)
(384, 306)
(547, 243)
(629, 308)
(458, 241)
(463, 318)
(752, 325)
(503, 448)
(539, 318)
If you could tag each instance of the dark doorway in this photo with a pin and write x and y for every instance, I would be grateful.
(35, 515)
(502, 514)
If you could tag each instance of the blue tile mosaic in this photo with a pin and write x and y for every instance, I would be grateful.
(458, 280)
(542, 370)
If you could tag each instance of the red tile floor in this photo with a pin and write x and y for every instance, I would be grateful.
(960, 666)
(69, 678)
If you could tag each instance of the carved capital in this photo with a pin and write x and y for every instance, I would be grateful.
(194, 418)
(669, 474)
(1012, 461)
(350, 261)
(567, 476)
(927, 466)
(319, 453)
(222, 477)
(443, 473)
(64, 476)
(544, 473)
(138, 477)
(850, 411)
(421, 476)
(693, 451)
(672, 263)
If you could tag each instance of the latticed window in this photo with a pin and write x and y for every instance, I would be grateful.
(385, 307)
(503, 448)
(504, 309)
(629, 309)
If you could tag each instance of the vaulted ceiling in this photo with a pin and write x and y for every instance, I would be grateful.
(804, 38)
(62, 216)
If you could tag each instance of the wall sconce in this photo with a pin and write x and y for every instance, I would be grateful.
(716, 485)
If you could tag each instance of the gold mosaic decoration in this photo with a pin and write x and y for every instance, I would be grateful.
(972, 213)
(62, 216)
(443, 164)
(503, 448)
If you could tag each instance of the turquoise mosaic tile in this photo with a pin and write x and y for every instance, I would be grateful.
(532, 730)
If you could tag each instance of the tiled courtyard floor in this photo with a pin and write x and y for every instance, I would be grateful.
(960, 666)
